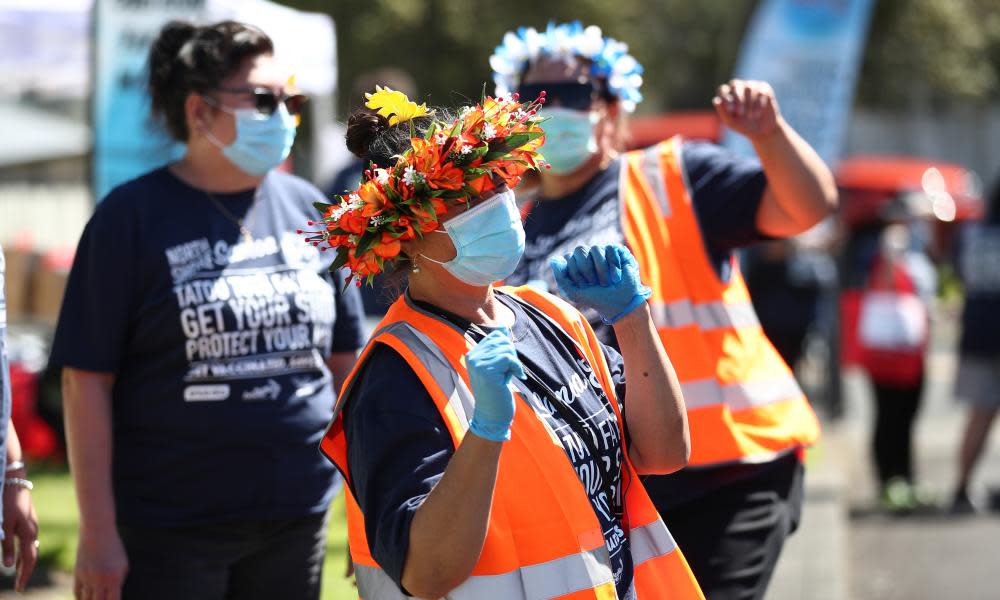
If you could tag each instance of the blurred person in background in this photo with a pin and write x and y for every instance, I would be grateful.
(459, 487)
(376, 297)
(200, 339)
(889, 263)
(19, 531)
(682, 208)
(788, 280)
(978, 380)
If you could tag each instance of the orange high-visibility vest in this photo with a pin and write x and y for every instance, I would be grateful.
(543, 538)
(743, 402)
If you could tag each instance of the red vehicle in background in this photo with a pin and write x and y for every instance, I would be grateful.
(949, 192)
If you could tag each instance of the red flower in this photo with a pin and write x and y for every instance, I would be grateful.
(482, 184)
(426, 221)
(510, 171)
(388, 247)
(403, 224)
(353, 222)
(427, 159)
(374, 197)
(367, 265)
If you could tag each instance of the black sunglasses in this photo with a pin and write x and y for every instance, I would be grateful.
(266, 101)
(572, 95)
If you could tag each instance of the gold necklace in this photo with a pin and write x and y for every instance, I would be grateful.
(244, 229)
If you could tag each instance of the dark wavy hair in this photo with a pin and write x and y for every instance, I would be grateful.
(372, 139)
(188, 58)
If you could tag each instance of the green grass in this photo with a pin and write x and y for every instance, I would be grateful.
(55, 503)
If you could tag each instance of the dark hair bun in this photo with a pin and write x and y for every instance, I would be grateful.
(163, 63)
(363, 126)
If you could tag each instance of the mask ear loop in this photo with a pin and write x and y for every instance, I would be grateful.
(416, 268)
(442, 263)
(208, 134)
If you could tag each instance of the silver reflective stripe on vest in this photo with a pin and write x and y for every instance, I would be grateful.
(654, 177)
(672, 315)
(427, 352)
(700, 393)
(374, 584)
(433, 359)
(741, 396)
(707, 315)
(725, 315)
(650, 541)
(559, 577)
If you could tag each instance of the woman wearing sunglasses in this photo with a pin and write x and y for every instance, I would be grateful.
(483, 435)
(683, 208)
(200, 340)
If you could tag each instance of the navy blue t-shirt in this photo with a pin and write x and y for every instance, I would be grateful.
(726, 191)
(217, 344)
(399, 449)
(979, 268)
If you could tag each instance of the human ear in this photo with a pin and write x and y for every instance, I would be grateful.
(198, 113)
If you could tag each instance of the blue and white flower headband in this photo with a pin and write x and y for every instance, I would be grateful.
(610, 58)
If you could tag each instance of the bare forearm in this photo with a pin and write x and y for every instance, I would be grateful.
(13, 445)
(449, 529)
(87, 408)
(800, 188)
(654, 410)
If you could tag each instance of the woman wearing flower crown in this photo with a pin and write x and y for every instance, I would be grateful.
(485, 439)
(682, 208)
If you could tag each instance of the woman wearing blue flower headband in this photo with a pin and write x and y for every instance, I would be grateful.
(682, 208)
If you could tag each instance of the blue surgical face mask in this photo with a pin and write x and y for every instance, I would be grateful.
(489, 241)
(262, 142)
(569, 138)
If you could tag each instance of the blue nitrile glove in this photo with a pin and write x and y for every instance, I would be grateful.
(492, 363)
(604, 278)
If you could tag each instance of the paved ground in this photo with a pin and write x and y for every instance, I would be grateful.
(932, 556)
(846, 548)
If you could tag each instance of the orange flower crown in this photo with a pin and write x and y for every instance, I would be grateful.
(450, 164)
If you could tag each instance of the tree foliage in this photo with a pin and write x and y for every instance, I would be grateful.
(931, 50)
(687, 48)
(940, 49)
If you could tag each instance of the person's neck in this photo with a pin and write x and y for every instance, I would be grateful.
(207, 169)
(557, 186)
(475, 304)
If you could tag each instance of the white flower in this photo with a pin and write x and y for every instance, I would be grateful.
(354, 201)
(440, 138)
(382, 176)
(466, 148)
(338, 212)
(410, 175)
(377, 221)
(489, 131)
